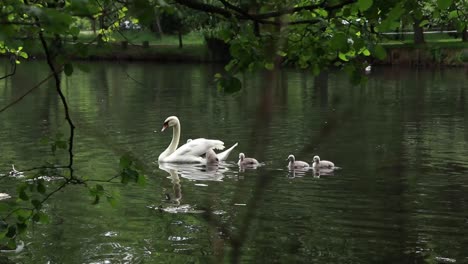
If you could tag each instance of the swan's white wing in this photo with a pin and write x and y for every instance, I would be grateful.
(222, 156)
(193, 150)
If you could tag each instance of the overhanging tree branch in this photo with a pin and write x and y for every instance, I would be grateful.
(235, 11)
(64, 101)
(286, 11)
(13, 67)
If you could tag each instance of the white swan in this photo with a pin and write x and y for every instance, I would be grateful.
(296, 164)
(247, 162)
(192, 151)
(322, 164)
(368, 69)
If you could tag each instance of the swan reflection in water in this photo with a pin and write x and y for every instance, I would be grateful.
(191, 172)
(196, 172)
(317, 173)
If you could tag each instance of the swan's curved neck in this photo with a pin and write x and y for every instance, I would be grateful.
(174, 142)
(175, 139)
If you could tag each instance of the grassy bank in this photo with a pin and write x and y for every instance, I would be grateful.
(447, 52)
(135, 45)
(145, 46)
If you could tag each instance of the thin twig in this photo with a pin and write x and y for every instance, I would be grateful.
(26, 93)
(13, 66)
(64, 101)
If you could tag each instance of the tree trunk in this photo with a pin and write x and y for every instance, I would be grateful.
(465, 34)
(418, 32)
(93, 25)
(180, 40)
(101, 22)
(157, 26)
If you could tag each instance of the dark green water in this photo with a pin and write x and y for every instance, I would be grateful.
(401, 141)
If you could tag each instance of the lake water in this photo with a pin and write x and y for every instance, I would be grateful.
(401, 195)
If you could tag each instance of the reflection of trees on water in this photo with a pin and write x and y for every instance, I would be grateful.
(406, 124)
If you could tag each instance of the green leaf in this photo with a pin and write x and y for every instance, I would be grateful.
(75, 31)
(12, 244)
(269, 66)
(68, 69)
(342, 56)
(366, 52)
(380, 52)
(423, 23)
(23, 196)
(444, 4)
(339, 42)
(125, 161)
(21, 227)
(41, 187)
(281, 53)
(96, 199)
(43, 218)
(37, 204)
(224, 34)
(23, 54)
(112, 201)
(99, 188)
(54, 21)
(364, 4)
(36, 218)
(128, 175)
(141, 180)
(11, 231)
(230, 84)
(3, 233)
(392, 20)
(453, 14)
(321, 12)
(22, 214)
(40, 217)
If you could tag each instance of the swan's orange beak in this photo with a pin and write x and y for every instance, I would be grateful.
(164, 126)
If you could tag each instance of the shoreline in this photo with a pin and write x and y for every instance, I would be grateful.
(404, 55)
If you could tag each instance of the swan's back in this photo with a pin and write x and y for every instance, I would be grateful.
(298, 164)
(192, 151)
(323, 164)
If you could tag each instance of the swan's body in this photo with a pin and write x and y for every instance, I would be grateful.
(247, 162)
(297, 164)
(322, 164)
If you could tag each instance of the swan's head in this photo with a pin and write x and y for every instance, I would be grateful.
(170, 121)
(241, 156)
(291, 158)
(316, 159)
